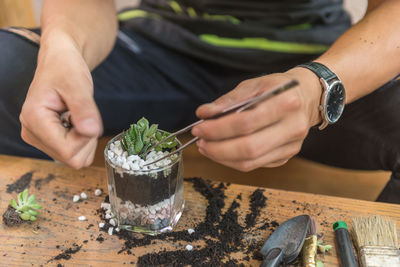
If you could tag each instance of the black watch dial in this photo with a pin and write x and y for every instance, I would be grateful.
(335, 101)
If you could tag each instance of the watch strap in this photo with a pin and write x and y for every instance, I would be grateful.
(320, 70)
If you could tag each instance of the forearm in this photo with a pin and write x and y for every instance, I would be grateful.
(365, 57)
(89, 25)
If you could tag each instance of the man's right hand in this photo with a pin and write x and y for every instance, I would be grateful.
(62, 82)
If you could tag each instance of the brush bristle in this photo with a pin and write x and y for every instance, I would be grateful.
(374, 231)
(312, 228)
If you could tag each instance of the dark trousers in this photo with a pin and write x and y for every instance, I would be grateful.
(141, 78)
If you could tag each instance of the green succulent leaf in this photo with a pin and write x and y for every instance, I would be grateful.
(33, 218)
(25, 216)
(31, 199)
(320, 264)
(20, 198)
(153, 129)
(159, 136)
(33, 212)
(13, 204)
(25, 195)
(140, 137)
(36, 206)
(143, 123)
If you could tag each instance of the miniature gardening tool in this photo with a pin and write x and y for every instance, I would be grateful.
(343, 242)
(376, 241)
(309, 250)
(239, 107)
(285, 244)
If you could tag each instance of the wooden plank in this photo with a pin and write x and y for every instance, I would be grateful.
(59, 226)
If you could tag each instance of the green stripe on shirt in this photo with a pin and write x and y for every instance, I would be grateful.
(264, 44)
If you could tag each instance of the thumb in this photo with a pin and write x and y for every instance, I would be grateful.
(85, 116)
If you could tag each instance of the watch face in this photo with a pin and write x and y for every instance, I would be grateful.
(335, 101)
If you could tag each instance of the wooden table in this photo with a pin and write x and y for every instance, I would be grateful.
(58, 227)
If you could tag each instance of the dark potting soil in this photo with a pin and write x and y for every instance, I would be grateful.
(11, 217)
(221, 232)
(144, 189)
(43, 181)
(19, 185)
(66, 254)
(257, 202)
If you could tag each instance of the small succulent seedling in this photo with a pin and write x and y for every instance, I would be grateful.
(323, 248)
(26, 207)
(140, 137)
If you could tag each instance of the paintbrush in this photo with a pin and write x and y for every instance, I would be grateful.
(309, 250)
(376, 241)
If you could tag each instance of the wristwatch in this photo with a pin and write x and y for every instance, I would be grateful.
(333, 96)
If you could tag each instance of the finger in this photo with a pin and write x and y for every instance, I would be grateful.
(252, 146)
(244, 90)
(91, 156)
(46, 130)
(85, 115)
(276, 164)
(274, 158)
(247, 122)
(83, 156)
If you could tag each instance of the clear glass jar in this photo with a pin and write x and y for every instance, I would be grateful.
(146, 201)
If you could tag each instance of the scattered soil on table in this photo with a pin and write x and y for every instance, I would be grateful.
(66, 254)
(20, 184)
(221, 232)
(257, 202)
(40, 182)
(11, 217)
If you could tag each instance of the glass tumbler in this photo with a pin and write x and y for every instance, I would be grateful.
(146, 201)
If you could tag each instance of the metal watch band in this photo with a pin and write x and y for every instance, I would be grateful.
(320, 70)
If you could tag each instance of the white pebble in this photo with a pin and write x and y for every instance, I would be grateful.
(190, 231)
(83, 195)
(82, 218)
(76, 198)
(125, 165)
(101, 225)
(133, 158)
(110, 230)
(97, 192)
(118, 152)
(189, 247)
(112, 222)
(117, 229)
(105, 206)
(108, 216)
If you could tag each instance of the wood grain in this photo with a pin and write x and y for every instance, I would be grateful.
(59, 225)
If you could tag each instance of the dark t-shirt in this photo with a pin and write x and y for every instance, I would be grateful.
(246, 34)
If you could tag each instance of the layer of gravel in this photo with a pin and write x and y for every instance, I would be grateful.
(121, 158)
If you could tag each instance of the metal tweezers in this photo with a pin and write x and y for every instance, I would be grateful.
(239, 107)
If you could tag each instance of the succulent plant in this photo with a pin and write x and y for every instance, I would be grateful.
(140, 137)
(27, 206)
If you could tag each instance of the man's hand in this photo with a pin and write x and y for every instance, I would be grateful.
(62, 82)
(267, 135)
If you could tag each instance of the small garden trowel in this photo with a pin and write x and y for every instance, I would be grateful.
(285, 244)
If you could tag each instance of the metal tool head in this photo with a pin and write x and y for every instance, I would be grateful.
(287, 238)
